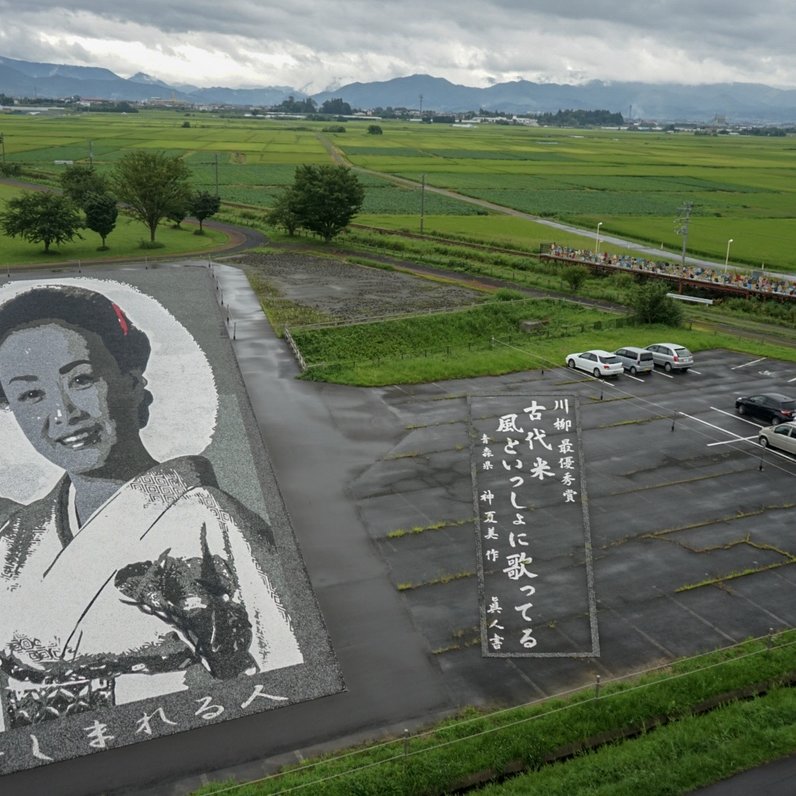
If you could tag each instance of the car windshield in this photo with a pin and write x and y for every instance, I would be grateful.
(612, 360)
(682, 352)
(788, 405)
(646, 356)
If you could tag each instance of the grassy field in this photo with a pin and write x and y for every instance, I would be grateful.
(741, 187)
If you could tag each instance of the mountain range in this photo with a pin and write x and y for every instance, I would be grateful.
(666, 102)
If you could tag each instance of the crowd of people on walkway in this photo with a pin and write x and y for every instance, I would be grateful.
(756, 281)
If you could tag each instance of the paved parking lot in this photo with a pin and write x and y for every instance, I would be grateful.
(691, 521)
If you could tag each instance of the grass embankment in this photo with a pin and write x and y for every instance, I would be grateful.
(519, 266)
(691, 753)
(486, 340)
(730, 705)
(514, 260)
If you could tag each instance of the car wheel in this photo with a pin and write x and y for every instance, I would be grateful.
(668, 367)
(596, 373)
(741, 409)
(570, 363)
(763, 441)
(633, 370)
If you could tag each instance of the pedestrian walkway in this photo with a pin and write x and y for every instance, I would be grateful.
(774, 779)
(699, 275)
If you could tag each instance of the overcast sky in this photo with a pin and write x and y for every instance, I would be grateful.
(313, 45)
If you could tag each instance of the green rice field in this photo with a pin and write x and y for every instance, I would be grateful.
(742, 187)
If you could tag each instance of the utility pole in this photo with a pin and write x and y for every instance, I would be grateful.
(3, 145)
(422, 201)
(91, 154)
(682, 225)
(216, 162)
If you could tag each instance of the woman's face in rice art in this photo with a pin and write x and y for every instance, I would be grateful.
(71, 399)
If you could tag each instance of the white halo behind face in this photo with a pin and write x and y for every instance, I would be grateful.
(182, 417)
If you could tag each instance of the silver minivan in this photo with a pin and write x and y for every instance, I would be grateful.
(671, 356)
(635, 360)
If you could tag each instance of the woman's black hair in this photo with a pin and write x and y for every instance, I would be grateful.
(86, 310)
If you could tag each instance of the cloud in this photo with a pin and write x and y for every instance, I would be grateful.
(313, 44)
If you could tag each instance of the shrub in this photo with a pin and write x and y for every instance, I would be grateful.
(575, 276)
(506, 294)
(651, 305)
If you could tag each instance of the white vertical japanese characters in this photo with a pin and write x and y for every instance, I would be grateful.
(529, 499)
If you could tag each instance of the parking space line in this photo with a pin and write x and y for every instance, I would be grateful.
(791, 380)
(631, 376)
(775, 452)
(737, 417)
(659, 373)
(718, 428)
(698, 372)
(729, 441)
(697, 615)
(738, 437)
(746, 364)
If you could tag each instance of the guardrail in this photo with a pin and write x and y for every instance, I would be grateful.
(295, 349)
(685, 297)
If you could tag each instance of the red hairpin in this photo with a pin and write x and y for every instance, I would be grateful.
(120, 315)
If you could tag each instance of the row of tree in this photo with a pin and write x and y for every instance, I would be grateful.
(151, 186)
(331, 107)
(581, 118)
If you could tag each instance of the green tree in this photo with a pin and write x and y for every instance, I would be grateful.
(336, 107)
(39, 216)
(325, 198)
(651, 305)
(151, 184)
(178, 211)
(282, 213)
(375, 129)
(101, 214)
(292, 105)
(202, 205)
(79, 182)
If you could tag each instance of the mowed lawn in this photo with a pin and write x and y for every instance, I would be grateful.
(124, 242)
(634, 183)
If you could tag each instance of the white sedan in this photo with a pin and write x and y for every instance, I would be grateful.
(782, 436)
(597, 362)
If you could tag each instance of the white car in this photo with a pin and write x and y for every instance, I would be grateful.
(597, 362)
(782, 436)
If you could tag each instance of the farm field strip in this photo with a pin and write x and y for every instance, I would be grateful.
(741, 187)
